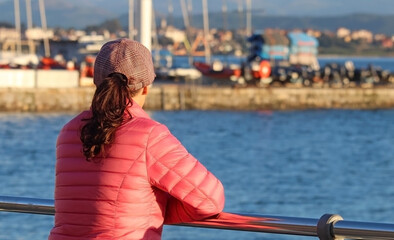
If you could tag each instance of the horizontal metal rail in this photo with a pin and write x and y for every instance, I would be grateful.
(329, 226)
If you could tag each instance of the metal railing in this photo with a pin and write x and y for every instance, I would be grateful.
(329, 226)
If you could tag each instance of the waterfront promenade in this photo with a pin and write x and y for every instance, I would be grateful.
(195, 97)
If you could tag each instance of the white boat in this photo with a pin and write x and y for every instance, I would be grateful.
(91, 44)
(186, 73)
(13, 59)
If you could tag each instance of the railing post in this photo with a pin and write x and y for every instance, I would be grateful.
(325, 227)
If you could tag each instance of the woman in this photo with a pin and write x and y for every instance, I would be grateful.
(120, 174)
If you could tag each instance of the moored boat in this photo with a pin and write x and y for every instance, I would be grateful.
(217, 70)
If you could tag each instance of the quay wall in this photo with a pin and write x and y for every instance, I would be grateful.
(185, 97)
(38, 78)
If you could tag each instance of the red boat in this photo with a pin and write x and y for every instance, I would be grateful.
(217, 70)
(255, 72)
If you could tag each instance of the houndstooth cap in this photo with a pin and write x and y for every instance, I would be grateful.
(127, 57)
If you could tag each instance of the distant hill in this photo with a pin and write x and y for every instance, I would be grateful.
(82, 13)
(375, 23)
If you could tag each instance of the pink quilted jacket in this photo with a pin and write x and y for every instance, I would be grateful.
(147, 179)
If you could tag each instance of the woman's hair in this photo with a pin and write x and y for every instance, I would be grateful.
(109, 103)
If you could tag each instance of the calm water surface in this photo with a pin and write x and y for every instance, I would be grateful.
(294, 163)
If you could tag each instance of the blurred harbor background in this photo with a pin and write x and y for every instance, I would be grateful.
(289, 139)
(235, 43)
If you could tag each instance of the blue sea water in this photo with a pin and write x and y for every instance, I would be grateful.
(285, 163)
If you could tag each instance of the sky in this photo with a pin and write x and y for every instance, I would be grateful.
(66, 12)
(293, 7)
(268, 7)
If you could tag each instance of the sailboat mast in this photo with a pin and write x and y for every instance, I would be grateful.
(186, 21)
(131, 19)
(155, 38)
(146, 23)
(240, 14)
(29, 19)
(18, 26)
(185, 14)
(248, 17)
(170, 13)
(189, 11)
(44, 28)
(206, 31)
(28, 15)
(224, 10)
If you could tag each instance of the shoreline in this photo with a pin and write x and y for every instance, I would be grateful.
(171, 97)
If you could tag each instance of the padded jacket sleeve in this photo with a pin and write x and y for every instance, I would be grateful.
(195, 193)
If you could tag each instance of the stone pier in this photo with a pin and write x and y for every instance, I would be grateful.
(185, 97)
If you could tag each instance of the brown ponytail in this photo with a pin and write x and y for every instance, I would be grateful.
(108, 113)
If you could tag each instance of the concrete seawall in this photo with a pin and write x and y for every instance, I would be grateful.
(181, 97)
